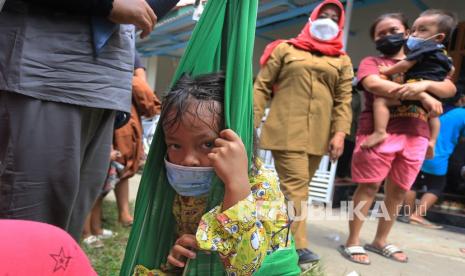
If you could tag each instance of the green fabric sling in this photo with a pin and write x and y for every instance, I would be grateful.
(223, 39)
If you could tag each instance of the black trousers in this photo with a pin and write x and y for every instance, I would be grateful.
(53, 160)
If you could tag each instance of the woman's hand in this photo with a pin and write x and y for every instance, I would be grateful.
(183, 248)
(409, 90)
(336, 145)
(229, 159)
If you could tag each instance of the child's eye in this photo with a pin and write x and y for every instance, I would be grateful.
(174, 146)
(208, 145)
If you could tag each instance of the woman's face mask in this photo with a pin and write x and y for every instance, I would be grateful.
(391, 44)
(323, 29)
(189, 181)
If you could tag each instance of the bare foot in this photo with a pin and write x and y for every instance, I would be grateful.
(430, 150)
(421, 221)
(126, 220)
(374, 139)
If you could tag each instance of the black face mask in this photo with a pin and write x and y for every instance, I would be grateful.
(390, 44)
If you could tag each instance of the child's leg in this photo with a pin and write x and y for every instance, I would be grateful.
(87, 231)
(96, 217)
(380, 121)
(434, 126)
(122, 201)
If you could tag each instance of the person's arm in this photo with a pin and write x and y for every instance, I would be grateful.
(400, 67)
(136, 12)
(341, 118)
(140, 72)
(146, 102)
(441, 89)
(379, 87)
(385, 88)
(263, 86)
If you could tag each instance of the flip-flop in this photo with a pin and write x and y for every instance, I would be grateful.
(387, 251)
(425, 223)
(349, 251)
(404, 219)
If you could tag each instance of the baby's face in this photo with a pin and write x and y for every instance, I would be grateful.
(426, 27)
(190, 141)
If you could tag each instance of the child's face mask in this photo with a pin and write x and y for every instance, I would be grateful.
(414, 42)
(189, 181)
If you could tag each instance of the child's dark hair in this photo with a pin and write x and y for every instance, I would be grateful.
(447, 21)
(395, 15)
(191, 94)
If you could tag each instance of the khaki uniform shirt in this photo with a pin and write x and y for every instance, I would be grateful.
(311, 99)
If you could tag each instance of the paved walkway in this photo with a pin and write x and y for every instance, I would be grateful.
(431, 252)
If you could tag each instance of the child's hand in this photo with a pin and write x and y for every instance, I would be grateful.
(114, 154)
(432, 105)
(229, 159)
(383, 69)
(430, 150)
(183, 248)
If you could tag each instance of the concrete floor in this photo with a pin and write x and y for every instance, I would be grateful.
(430, 252)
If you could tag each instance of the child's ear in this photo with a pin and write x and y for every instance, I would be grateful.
(440, 37)
(406, 33)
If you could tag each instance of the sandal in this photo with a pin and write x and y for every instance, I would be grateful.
(387, 251)
(92, 242)
(349, 251)
(106, 234)
(404, 219)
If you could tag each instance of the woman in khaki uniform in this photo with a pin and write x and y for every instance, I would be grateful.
(308, 80)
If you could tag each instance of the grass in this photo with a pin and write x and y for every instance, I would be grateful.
(107, 260)
(316, 270)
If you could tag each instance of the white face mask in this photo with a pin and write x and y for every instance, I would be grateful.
(189, 181)
(323, 29)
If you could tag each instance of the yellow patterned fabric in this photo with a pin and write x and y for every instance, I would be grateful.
(140, 270)
(188, 211)
(245, 233)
